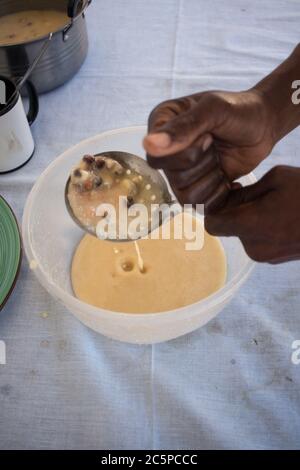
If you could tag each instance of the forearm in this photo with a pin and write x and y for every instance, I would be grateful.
(278, 91)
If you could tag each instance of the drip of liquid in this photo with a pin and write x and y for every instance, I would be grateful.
(139, 257)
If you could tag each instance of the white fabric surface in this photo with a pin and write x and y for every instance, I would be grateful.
(228, 385)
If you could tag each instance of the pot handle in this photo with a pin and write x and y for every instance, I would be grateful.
(77, 6)
(33, 102)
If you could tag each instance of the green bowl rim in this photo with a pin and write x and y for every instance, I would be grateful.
(20, 256)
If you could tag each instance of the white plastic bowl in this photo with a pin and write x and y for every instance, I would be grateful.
(50, 238)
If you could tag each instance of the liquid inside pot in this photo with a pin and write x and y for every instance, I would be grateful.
(28, 25)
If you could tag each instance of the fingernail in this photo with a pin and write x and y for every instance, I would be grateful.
(207, 143)
(160, 139)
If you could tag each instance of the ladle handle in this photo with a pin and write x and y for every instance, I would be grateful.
(34, 63)
(33, 102)
(77, 6)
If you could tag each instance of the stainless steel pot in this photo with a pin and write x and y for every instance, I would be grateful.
(65, 54)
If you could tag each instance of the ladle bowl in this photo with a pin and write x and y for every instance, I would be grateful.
(131, 162)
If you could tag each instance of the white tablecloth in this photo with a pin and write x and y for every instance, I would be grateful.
(228, 385)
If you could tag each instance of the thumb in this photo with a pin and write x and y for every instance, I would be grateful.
(181, 131)
(245, 194)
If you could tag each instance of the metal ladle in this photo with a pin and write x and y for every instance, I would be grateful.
(132, 162)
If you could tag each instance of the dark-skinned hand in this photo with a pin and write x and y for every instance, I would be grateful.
(181, 133)
(205, 141)
(265, 216)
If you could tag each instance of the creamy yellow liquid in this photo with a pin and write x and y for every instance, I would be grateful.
(109, 275)
(28, 25)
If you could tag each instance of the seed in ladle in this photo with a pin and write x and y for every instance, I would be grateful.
(117, 168)
(109, 163)
(129, 187)
(79, 176)
(97, 181)
(148, 186)
(130, 201)
(99, 162)
(88, 159)
(88, 185)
